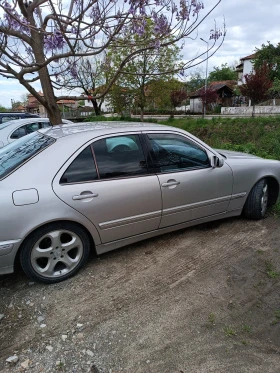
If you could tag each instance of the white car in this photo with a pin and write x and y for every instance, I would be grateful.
(14, 129)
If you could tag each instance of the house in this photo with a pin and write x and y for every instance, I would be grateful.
(245, 67)
(34, 106)
(224, 90)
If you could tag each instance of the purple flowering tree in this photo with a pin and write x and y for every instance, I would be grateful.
(42, 40)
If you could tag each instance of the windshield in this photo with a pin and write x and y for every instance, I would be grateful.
(19, 151)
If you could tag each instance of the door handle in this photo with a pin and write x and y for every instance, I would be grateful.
(170, 183)
(84, 196)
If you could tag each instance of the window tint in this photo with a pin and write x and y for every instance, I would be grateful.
(82, 169)
(171, 153)
(19, 132)
(119, 156)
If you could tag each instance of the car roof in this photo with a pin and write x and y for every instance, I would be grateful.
(22, 122)
(100, 128)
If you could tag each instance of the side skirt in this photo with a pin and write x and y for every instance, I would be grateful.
(103, 248)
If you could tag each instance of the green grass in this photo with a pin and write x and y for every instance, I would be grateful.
(276, 210)
(258, 136)
(270, 270)
(229, 331)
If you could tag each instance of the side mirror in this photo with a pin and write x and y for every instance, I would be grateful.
(217, 161)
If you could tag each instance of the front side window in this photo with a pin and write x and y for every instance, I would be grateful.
(172, 153)
(82, 169)
(119, 156)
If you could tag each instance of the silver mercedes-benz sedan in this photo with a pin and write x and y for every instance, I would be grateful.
(98, 186)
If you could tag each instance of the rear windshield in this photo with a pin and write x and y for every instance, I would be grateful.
(19, 151)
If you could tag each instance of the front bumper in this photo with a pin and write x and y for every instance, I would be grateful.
(8, 251)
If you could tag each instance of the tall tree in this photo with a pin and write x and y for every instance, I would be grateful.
(137, 74)
(270, 55)
(41, 40)
(257, 85)
(195, 81)
(159, 93)
(91, 77)
(224, 72)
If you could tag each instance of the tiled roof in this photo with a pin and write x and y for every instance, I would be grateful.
(250, 57)
(216, 86)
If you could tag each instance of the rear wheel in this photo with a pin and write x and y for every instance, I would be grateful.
(55, 252)
(257, 201)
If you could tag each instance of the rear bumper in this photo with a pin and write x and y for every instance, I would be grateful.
(8, 251)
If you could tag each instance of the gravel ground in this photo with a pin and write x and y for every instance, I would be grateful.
(204, 299)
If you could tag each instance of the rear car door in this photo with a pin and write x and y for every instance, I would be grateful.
(191, 189)
(109, 183)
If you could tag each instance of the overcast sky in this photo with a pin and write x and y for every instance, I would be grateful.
(249, 24)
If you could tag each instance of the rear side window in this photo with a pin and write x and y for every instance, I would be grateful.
(15, 154)
(119, 156)
(82, 169)
(19, 132)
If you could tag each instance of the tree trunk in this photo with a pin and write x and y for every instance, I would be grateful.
(97, 108)
(253, 111)
(49, 99)
(142, 114)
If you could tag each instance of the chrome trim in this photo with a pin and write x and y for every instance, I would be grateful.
(239, 195)
(129, 220)
(173, 210)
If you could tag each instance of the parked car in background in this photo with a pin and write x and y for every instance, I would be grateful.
(15, 129)
(6, 116)
(98, 186)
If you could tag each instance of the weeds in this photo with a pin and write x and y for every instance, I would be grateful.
(229, 331)
(270, 270)
(275, 210)
(277, 317)
(246, 328)
(258, 136)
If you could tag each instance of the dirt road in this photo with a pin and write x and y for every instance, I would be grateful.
(205, 299)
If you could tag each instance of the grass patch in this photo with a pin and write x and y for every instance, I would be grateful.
(270, 270)
(275, 210)
(229, 331)
(246, 328)
(277, 317)
(211, 320)
(258, 136)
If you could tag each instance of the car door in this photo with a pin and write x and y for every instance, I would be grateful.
(191, 189)
(109, 183)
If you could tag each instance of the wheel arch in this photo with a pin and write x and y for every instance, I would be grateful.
(92, 243)
(273, 189)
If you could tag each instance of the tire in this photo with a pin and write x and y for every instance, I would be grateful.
(55, 252)
(257, 201)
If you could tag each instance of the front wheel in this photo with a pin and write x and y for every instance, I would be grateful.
(257, 201)
(55, 252)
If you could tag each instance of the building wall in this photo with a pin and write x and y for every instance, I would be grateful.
(196, 105)
(248, 110)
(247, 69)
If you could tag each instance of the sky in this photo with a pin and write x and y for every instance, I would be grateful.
(249, 24)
